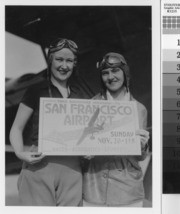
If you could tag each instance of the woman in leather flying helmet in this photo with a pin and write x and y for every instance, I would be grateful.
(116, 180)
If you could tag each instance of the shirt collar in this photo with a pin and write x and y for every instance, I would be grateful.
(126, 97)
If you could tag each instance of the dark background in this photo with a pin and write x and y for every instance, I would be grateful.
(97, 30)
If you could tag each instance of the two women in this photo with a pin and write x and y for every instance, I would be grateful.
(57, 180)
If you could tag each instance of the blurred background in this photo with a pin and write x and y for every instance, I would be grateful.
(97, 30)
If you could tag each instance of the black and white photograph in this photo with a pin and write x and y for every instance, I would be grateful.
(79, 105)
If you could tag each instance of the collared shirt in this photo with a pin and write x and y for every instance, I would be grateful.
(31, 99)
(126, 96)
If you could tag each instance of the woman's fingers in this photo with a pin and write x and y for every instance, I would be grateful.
(142, 132)
(36, 157)
(144, 136)
(36, 154)
(34, 160)
(89, 157)
(31, 157)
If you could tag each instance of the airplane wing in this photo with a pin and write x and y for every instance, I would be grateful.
(93, 118)
(87, 130)
(81, 134)
(70, 135)
(116, 124)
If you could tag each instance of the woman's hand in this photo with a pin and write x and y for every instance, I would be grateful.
(88, 157)
(144, 137)
(30, 157)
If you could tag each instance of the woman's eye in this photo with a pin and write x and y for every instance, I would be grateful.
(70, 60)
(115, 70)
(104, 73)
(59, 59)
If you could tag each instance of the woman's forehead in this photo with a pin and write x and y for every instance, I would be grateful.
(111, 69)
(65, 52)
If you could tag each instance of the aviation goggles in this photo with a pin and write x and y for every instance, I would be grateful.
(61, 43)
(112, 60)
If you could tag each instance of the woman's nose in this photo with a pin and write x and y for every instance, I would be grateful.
(64, 64)
(110, 76)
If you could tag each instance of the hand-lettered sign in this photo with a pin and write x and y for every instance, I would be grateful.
(88, 127)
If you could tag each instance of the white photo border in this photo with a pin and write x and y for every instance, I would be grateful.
(156, 138)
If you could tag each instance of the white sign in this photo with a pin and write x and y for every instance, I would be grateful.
(88, 127)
